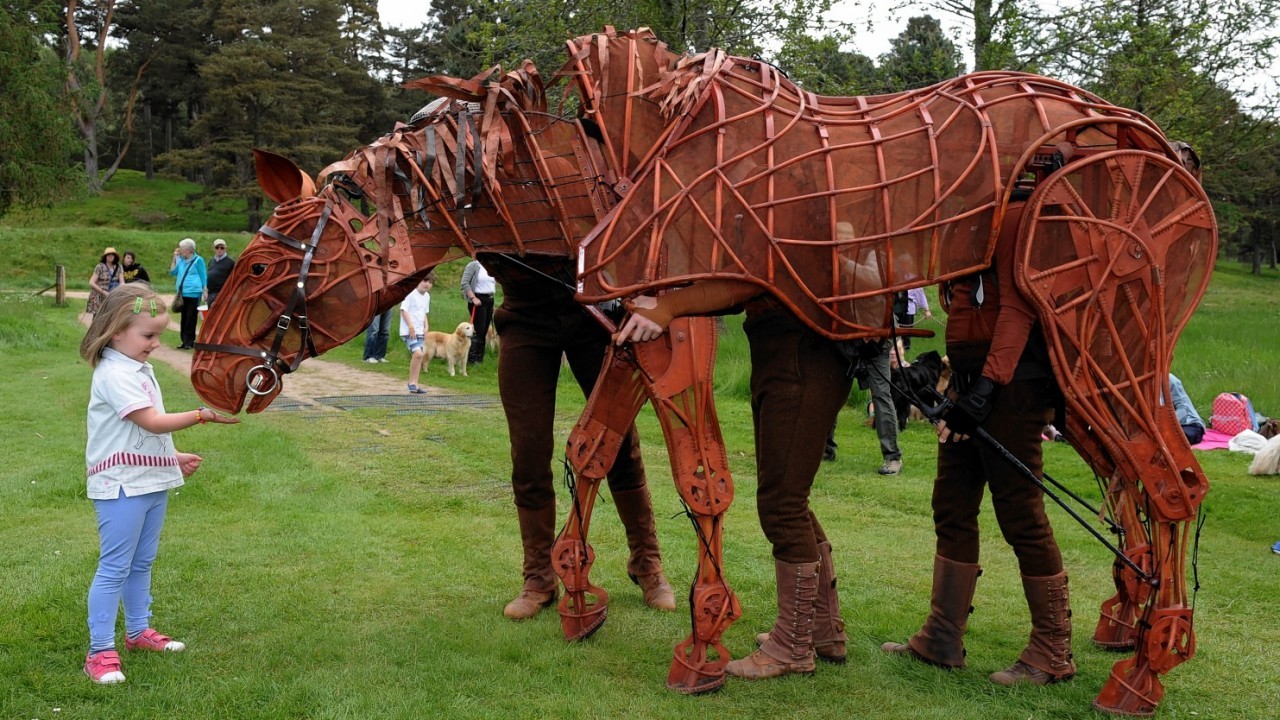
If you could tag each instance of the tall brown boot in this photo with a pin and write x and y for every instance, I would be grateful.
(1047, 658)
(537, 533)
(828, 627)
(789, 649)
(941, 640)
(645, 565)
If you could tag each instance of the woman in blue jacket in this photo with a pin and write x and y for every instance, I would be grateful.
(192, 285)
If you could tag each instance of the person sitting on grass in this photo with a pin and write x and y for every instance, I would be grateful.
(414, 310)
(131, 464)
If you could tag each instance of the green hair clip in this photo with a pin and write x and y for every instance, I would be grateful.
(137, 306)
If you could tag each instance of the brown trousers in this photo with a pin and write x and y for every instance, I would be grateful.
(534, 334)
(1021, 410)
(799, 382)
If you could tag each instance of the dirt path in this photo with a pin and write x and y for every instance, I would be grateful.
(314, 378)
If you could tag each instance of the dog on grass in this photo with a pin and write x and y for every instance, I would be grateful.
(452, 347)
(929, 370)
(491, 338)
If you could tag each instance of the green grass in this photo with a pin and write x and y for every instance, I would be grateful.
(355, 565)
(344, 565)
(130, 202)
(133, 214)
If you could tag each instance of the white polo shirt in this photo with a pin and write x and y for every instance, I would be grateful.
(120, 454)
(417, 305)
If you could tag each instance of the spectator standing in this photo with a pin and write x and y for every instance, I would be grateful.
(413, 327)
(478, 287)
(106, 275)
(219, 269)
(908, 303)
(191, 286)
(133, 272)
(376, 336)
(873, 361)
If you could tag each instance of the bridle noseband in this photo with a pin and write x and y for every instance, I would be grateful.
(295, 311)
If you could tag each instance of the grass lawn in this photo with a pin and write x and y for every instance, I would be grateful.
(356, 564)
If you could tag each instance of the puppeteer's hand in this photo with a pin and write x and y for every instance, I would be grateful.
(964, 414)
(188, 463)
(639, 328)
(946, 434)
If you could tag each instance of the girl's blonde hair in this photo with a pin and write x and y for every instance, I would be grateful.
(122, 305)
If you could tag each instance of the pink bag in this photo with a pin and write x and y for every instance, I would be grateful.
(1232, 413)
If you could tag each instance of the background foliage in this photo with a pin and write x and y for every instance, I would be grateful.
(189, 87)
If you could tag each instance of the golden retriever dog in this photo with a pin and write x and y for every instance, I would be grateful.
(453, 347)
(491, 338)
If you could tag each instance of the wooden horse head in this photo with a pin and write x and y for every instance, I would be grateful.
(486, 170)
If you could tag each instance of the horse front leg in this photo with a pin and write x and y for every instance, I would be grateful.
(593, 446)
(678, 371)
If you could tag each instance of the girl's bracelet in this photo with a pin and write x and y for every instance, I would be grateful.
(200, 415)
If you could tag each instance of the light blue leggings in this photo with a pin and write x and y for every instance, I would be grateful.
(129, 533)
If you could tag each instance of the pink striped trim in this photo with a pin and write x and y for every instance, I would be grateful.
(136, 459)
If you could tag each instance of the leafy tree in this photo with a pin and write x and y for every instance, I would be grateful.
(1189, 66)
(280, 80)
(819, 65)
(87, 82)
(922, 55)
(36, 136)
(172, 38)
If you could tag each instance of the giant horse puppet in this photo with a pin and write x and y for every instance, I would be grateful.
(681, 169)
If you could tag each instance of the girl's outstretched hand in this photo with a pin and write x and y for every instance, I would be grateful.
(210, 415)
(188, 463)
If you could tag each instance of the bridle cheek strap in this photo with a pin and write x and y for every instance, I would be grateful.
(294, 311)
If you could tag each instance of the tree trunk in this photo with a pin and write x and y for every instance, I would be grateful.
(982, 24)
(148, 152)
(90, 133)
(254, 205)
(1256, 228)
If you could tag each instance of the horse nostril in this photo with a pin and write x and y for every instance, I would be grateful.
(258, 268)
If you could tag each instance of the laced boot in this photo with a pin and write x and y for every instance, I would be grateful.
(645, 565)
(1047, 658)
(788, 650)
(941, 640)
(828, 627)
(537, 533)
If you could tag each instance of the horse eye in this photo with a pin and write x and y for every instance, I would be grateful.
(258, 268)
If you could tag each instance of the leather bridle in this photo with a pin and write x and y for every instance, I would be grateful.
(295, 311)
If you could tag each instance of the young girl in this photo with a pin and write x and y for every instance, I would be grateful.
(131, 465)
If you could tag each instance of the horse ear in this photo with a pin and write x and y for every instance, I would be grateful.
(280, 178)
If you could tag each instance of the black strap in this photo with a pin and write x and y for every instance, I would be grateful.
(183, 281)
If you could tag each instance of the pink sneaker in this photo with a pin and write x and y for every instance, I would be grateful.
(104, 667)
(155, 642)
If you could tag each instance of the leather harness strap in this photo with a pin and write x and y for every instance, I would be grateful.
(296, 309)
